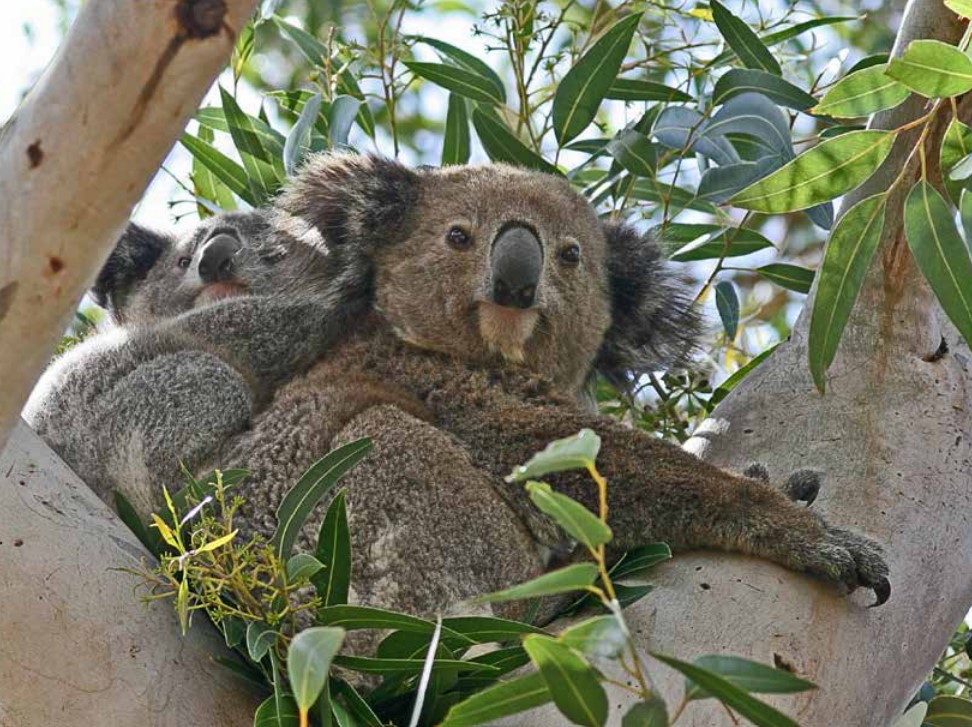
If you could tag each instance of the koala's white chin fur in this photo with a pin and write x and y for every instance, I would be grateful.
(506, 330)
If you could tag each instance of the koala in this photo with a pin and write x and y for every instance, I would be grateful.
(117, 406)
(463, 315)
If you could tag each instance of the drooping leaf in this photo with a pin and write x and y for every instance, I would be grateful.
(298, 503)
(719, 184)
(846, 261)
(334, 553)
(572, 682)
(223, 168)
(633, 89)
(828, 170)
(948, 711)
(862, 93)
(635, 152)
(753, 115)
(455, 143)
(463, 81)
(652, 713)
(732, 696)
(351, 618)
(564, 580)
(750, 676)
(737, 81)
(302, 566)
(268, 714)
(150, 539)
(933, 69)
(298, 140)
(340, 118)
(581, 90)
(576, 520)
(258, 161)
(487, 629)
(941, 254)
(601, 637)
(682, 128)
(727, 303)
(743, 40)
(791, 277)
(506, 698)
(207, 185)
(346, 84)
(781, 36)
(502, 145)
(635, 562)
(311, 48)
(570, 453)
(214, 118)
(309, 658)
(470, 63)
(956, 146)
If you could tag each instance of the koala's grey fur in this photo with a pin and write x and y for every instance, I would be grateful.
(408, 346)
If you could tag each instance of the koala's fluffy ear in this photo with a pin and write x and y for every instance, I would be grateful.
(359, 200)
(653, 322)
(134, 255)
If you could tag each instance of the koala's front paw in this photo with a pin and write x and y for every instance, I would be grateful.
(850, 560)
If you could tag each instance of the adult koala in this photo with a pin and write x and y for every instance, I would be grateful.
(482, 300)
(121, 405)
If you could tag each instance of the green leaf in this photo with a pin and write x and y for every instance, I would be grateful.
(309, 660)
(311, 48)
(510, 697)
(352, 618)
(650, 190)
(502, 146)
(581, 90)
(709, 242)
(743, 41)
(334, 552)
(576, 520)
(791, 277)
(743, 80)
(302, 566)
(861, 94)
(956, 146)
(941, 253)
(369, 665)
(206, 184)
(601, 637)
(267, 714)
(259, 638)
(652, 713)
(748, 675)
(781, 36)
(462, 81)
(455, 143)
(733, 381)
(214, 118)
(355, 703)
(634, 152)
(223, 168)
(727, 303)
(933, 69)
(629, 594)
(487, 629)
(962, 8)
(572, 682)
(729, 694)
(965, 210)
(257, 160)
(149, 538)
(564, 580)
(340, 118)
(633, 89)
(830, 169)
(298, 140)
(846, 261)
(347, 85)
(570, 453)
(947, 711)
(298, 503)
(635, 562)
(470, 63)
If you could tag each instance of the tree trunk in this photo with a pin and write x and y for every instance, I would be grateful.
(894, 435)
(80, 151)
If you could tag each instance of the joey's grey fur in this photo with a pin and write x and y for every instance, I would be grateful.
(459, 366)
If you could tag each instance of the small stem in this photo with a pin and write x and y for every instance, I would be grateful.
(678, 711)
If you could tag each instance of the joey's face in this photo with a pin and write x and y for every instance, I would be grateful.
(502, 265)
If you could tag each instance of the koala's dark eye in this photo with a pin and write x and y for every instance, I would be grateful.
(570, 254)
(458, 238)
(184, 262)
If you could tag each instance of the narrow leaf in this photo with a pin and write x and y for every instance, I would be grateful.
(573, 683)
(340, 118)
(510, 697)
(502, 146)
(828, 170)
(462, 81)
(748, 675)
(470, 63)
(948, 711)
(632, 89)
(791, 277)
(570, 453)
(635, 562)
(846, 261)
(576, 520)
(581, 90)
(257, 159)
(743, 41)
(223, 168)
(862, 93)
(635, 152)
(487, 629)
(302, 566)
(455, 143)
(218, 543)
(572, 578)
(933, 69)
(269, 714)
(727, 303)
(311, 48)
(347, 85)
(962, 8)
(956, 146)
(719, 243)
(652, 713)
(601, 637)
(334, 553)
(965, 210)
(737, 81)
(369, 665)
(309, 660)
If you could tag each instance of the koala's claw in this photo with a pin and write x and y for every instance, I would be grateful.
(852, 560)
(757, 471)
(803, 486)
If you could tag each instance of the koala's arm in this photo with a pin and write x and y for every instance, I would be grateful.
(659, 492)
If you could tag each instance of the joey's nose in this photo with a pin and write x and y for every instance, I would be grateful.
(517, 261)
(216, 258)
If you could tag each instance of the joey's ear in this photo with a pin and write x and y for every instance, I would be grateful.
(361, 200)
(653, 322)
(134, 255)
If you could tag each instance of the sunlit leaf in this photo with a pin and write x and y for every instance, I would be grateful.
(298, 140)
(737, 81)
(791, 277)
(933, 69)
(258, 161)
(462, 81)
(956, 146)
(572, 682)
(962, 8)
(311, 48)
(633, 89)
(510, 697)
(340, 118)
(334, 553)
(741, 38)
(564, 580)
(570, 453)
(711, 242)
(601, 636)
(862, 93)
(346, 84)
(576, 520)
(217, 543)
(469, 62)
(309, 659)
(223, 168)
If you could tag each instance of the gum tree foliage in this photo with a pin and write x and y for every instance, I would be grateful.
(711, 123)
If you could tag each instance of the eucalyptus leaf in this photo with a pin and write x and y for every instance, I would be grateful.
(721, 243)
(681, 128)
(748, 675)
(259, 638)
(965, 212)
(488, 629)
(333, 551)
(302, 566)
(719, 184)
(309, 658)
(455, 142)
(575, 519)
(346, 84)
(600, 637)
(269, 714)
(570, 453)
(791, 277)
(862, 93)
(956, 146)
(573, 683)
(962, 8)
(462, 81)
(638, 560)
(298, 140)
(635, 152)
(258, 161)
(340, 118)
(469, 62)
(502, 146)
(633, 89)
(506, 698)
(737, 81)
(933, 69)
(727, 303)
(223, 168)
(743, 40)
(652, 713)
(755, 116)
(574, 577)
(949, 711)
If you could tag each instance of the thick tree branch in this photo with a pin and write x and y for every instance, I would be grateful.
(79, 153)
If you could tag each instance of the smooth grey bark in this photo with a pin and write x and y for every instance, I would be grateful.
(894, 435)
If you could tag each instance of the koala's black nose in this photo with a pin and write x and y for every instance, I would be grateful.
(216, 258)
(517, 261)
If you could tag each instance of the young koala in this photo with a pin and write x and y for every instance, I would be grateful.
(464, 312)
